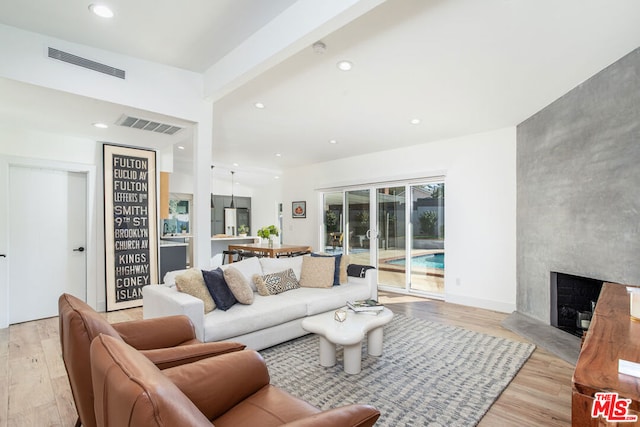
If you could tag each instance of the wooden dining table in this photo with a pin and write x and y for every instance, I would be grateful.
(270, 251)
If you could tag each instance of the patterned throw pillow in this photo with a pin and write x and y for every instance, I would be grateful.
(276, 283)
(191, 282)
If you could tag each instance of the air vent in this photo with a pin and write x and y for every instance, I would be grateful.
(85, 63)
(150, 125)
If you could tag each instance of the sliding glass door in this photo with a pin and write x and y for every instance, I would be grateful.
(391, 215)
(426, 247)
(397, 228)
(360, 238)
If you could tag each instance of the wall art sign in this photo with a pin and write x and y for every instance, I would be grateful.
(131, 226)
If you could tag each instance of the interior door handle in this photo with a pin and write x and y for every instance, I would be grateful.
(3, 255)
(80, 249)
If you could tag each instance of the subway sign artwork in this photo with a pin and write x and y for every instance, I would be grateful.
(130, 224)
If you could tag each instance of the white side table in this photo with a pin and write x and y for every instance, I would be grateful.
(349, 334)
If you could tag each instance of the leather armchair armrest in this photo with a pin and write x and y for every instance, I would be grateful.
(345, 416)
(143, 334)
(165, 358)
(218, 383)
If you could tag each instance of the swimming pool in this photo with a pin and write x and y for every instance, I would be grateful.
(426, 261)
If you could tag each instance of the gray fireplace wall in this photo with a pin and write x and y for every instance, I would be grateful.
(578, 189)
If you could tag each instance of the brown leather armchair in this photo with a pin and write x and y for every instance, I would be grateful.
(165, 341)
(230, 390)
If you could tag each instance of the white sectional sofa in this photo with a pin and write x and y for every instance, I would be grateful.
(269, 320)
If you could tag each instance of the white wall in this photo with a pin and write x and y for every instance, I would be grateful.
(480, 178)
(148, 86)
(54, 151)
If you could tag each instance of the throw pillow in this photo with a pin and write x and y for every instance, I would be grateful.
(191, 282)
(317, 272)
(248, 267)
(170, 277)
(239, 285)
(276, 283)
(276, 265)
(218, 289)
(338, 277)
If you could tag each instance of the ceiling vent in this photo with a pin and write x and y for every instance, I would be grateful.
(150, 125)
(85, 63)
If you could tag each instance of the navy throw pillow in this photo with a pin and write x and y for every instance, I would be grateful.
(218, 288)
(336, 272)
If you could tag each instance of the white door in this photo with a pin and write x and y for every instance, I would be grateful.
(47, 214)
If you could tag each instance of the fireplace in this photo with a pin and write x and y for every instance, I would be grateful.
(573, 299)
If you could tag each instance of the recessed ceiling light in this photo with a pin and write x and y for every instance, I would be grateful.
(101, 10)
(278, 155)
(276, 177)
(333, 141)
(415, 121)
(101, 125)
(236, 164)
(180, 147)
(259, 105)
(345, 65)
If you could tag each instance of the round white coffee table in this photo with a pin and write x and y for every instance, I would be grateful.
(349, 334)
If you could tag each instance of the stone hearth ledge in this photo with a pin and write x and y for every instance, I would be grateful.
(560, 343)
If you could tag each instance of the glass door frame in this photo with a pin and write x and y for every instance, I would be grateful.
(374, 227)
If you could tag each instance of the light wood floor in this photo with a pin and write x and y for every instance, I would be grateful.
(34, 390)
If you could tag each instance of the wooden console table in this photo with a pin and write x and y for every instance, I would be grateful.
(612, 336)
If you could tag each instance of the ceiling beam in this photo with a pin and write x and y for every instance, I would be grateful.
(302, 24)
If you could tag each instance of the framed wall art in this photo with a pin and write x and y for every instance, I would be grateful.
(299, 209)
(130, 224)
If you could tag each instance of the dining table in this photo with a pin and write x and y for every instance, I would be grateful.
(266, 249)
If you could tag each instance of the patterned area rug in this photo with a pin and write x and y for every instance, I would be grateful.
(430, 374)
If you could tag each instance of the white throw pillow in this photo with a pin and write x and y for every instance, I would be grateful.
(248, 267)
(276, 265)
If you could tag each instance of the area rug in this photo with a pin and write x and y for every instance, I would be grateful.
(430, 374)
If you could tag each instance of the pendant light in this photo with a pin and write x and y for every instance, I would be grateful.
(233, 205)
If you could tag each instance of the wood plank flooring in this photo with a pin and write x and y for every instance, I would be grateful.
(34, 390)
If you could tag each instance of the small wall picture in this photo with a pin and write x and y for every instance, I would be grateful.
(299, 209)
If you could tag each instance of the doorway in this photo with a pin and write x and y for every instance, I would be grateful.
(397, 227)
(46, 216)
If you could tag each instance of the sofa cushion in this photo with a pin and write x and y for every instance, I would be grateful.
(239, 285)
(248, 267)
(191, 282)
(265, 312)
(218, 288)
(317, 272)
(276, 265)
(276, 283)
(321, 300)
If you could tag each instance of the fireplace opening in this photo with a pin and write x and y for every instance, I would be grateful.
(573, 300)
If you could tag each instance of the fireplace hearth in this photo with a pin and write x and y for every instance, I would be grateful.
(573, 299)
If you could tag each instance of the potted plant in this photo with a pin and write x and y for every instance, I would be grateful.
(268, 233)
(243, 229)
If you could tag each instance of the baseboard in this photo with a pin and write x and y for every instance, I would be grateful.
(502, 307)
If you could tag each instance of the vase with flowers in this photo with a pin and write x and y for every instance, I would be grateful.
(269, 233)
